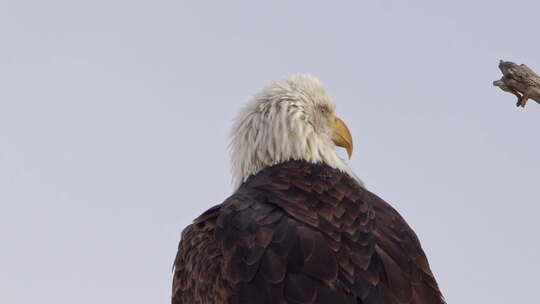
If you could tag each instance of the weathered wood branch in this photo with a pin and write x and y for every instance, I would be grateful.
(519, 80)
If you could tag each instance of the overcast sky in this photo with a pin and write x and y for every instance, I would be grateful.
(114, 117)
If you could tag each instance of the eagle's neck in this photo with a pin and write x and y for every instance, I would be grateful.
(255, 148)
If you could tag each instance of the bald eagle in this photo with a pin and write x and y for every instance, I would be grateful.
(300, 227)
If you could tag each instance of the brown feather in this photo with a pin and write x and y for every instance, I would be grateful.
(302, 233)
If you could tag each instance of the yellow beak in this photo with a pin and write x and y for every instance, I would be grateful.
(342, 137)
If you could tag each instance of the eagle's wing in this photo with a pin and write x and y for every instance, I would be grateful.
(303, 236)
(270, 257)
(408, 277)
(341, 240)
(197, 267)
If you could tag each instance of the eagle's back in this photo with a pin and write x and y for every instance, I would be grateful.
(302, 233)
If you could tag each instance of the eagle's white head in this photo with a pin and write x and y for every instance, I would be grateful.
(291, 119)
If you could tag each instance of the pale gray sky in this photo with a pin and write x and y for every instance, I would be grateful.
(114, 118)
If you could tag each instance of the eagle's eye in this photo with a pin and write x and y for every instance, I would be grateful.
(324, 110)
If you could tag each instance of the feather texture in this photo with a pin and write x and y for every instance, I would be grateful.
(299, 232)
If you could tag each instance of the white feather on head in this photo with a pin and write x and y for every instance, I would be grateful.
(287, 120)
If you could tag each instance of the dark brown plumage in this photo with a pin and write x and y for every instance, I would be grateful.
(302, 233)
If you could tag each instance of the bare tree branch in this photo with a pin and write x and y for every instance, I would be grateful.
(519, 80)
